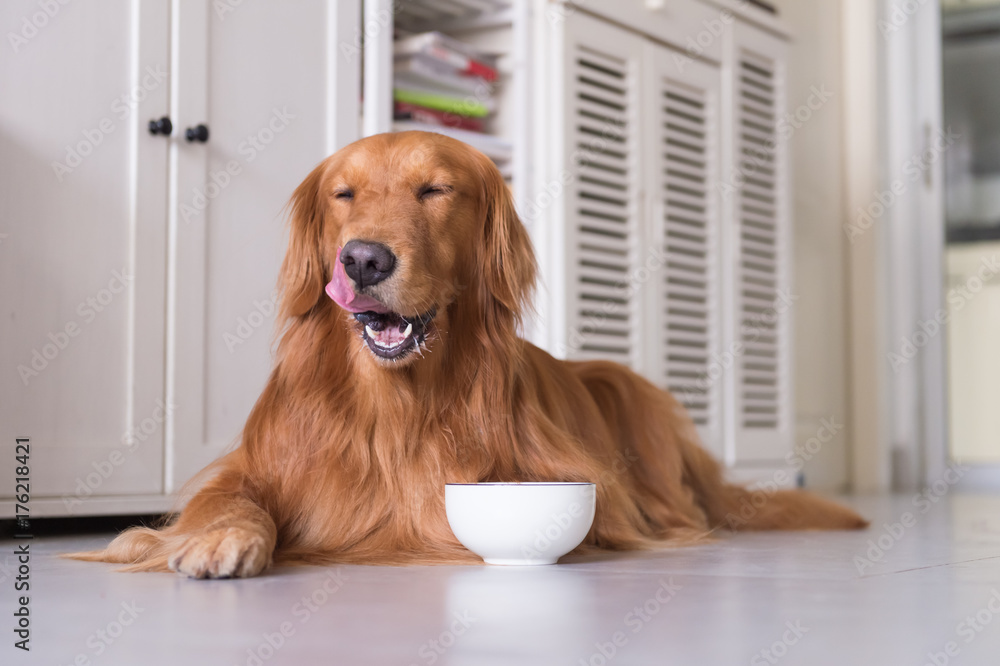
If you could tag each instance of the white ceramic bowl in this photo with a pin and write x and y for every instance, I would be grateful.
(520, 523)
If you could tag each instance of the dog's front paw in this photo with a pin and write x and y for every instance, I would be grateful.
(231, 552)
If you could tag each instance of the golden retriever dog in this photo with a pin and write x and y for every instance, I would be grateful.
(400, 369)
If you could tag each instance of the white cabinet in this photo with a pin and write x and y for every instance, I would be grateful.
(666, 246)
(755, 193)
(264, 78)
(595, 225)
(84, 223)
(143, 275)
(634, 244)
(137, 325)
(683, 131)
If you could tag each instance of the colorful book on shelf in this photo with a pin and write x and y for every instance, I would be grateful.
(494, 147)
(416, 69)
(421, 114)
(434, 99)
(465, 59)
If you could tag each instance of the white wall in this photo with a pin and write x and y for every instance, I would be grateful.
(819, 213)
(974, 356)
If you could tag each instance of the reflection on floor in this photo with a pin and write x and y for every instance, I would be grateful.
(923, 588)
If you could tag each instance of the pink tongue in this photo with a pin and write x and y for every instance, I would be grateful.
(342, 293)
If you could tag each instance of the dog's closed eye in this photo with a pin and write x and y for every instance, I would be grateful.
(430, 191)
(344, 194)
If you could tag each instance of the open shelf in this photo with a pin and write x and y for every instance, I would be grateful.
(451, 15)
(488, 27)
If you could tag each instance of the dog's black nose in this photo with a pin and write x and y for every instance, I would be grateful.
(367, 263)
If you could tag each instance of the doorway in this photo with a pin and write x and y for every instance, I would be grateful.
(970, 40)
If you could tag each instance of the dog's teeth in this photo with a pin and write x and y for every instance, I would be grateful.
(409, 329)
(369, 331)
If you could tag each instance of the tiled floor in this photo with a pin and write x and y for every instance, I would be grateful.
(933, 588)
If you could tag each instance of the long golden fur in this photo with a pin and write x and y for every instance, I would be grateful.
(345, 455)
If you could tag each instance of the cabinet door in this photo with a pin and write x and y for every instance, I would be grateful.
(278, 94)
(82, 242)
(755, 196)
(687, 25)
(596, 219)
(681, 153)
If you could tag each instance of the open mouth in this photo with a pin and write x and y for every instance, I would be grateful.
(392, 336)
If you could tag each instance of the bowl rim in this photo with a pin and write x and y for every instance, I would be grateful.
(526, 483)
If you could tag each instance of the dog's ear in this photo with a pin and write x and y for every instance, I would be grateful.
(304, 270)
(506, 259)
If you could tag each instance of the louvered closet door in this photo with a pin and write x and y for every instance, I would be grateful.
(682, 152)
(600, 208)
(756, 198)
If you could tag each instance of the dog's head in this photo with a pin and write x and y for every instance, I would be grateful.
(400, 230)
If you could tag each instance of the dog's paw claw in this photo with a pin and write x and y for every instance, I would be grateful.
(223, 553)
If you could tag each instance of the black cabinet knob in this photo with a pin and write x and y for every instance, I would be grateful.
(162, 126)
(197, 133)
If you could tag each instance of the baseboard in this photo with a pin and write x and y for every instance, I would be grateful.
(124, 505)
(767, 476)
